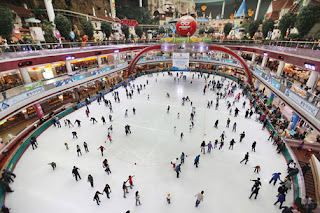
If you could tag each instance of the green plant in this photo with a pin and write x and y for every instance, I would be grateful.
(63, 25)
(307, 18)
(211, 30)
(201, 31)
(47, 27)
(125, 31)
(88, 28)
(161, 30)
(141, 14)
(294, 36)
(287, 22)
(138, 30)
(227, 28)
(106, 28)
(253, 27)
(267, 25)
(6, 23)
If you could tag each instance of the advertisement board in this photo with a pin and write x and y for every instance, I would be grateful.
(180, 61)
(302, 103)
(69, 80)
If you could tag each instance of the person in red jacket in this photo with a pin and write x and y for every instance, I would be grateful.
(130, 181)
(101, 149)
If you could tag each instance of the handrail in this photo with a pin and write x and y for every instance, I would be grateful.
(314, 164)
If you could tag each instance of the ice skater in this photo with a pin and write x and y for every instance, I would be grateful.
(90, 180)
(168, 109)
(174, 162)
(85, 145)
(196, 160)
(242, 135)
(78, 151)
(74, 134)
(52, 164)
(75, 173)
(256, 192)
(203, 147)
(78, 122)
(228, 123)
(275, 177)
(246, 158)
(103, 120)
(281, 199)
(130, 179)
(69, 123)
(126, 113)
(221, 144)
(96, 197)
(253, 146)
(234, 128)
(168, 198)
(216, 124)
(125, 189)
(107, 190)
(216, 143)
(178, 170)
(257, 169)
(138, 199)
(109, 137)
(232, 142)
(110, 118)
(182, 158)
(199, 198)
(209, 147)
(181, 136)
(134, 110)
(256, 184)
(93, 120)
(33, 142)
(66, 145)
(101, 149)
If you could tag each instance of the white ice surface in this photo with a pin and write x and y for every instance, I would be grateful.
(152, 145)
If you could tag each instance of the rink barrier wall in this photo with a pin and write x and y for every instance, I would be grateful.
(18, 154)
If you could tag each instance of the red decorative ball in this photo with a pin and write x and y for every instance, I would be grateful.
(135, 163)
(186, 26)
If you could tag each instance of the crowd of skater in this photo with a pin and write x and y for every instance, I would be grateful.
(224, 91)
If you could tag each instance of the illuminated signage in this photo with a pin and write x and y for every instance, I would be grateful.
(309, 66)
(130, 22)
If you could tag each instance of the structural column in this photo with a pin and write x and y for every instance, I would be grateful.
(99, 61)
(280, 68)
(253, 57)
(25, 75)
(294, 121)
(313, 79)
(223, 6)
(69, 68)
(264, 61)
(257, 10)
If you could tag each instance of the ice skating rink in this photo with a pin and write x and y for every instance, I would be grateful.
(152, 145)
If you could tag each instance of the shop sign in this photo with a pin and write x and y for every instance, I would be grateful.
(69, 80)
(273, 82)
(33, 85)
(130, 22)
(23, 96)
(302, 103)
(228, 61)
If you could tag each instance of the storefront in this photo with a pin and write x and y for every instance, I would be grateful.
(85, 63)
(47, 71)
(10, 79)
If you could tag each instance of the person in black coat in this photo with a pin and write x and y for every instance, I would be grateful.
(246, 158)
(255, 191)
(75, 172)
(96, 197)
(107, 190)
(90, 179)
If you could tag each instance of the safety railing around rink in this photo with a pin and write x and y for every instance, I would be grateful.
(299, 187)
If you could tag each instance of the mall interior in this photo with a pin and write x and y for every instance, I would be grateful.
(285, 87)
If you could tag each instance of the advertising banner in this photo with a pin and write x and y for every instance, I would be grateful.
(96, 72)
(18, 98)
(69, 80)
(299, 91)
(33, 85)
(302, 103)
(38, 109)
(180, 61)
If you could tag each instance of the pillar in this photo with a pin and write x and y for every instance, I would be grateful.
(258, 84)
(313, 79)
(25, 75)
(69, 68)
(295, 119)
(99, 61)
(264, 61)
(50, 12)
(280, 68)
(140, 3)
(257, 10)
(253, 57)
(223, 6)
(270, 100)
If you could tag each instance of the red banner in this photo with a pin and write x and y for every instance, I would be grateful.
(38, 109)
(130, 22)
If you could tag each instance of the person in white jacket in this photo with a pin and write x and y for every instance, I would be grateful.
(199, 198)
(174, 162)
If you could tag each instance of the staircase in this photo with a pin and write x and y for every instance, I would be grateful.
(309, 182)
